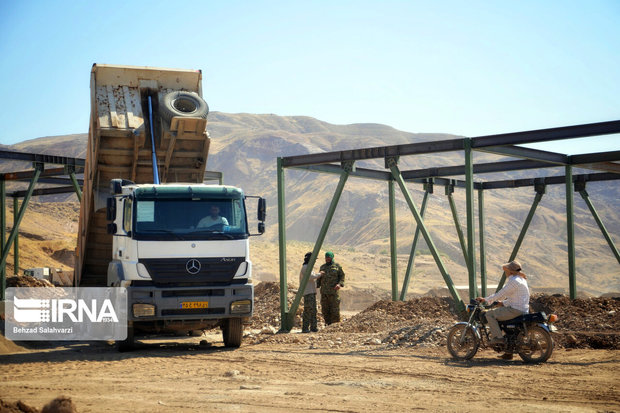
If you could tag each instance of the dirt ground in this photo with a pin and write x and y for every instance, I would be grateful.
(389, 357)
(180, 375)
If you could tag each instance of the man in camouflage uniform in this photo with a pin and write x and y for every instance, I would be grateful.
(331, 281)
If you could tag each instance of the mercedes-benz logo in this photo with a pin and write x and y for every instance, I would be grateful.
(193, 266)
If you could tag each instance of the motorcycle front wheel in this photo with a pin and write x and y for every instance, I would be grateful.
(536, 346)
(462, 342)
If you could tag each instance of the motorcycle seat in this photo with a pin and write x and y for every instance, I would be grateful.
(539, 317)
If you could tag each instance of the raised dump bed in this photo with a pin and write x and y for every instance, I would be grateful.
(120, 146)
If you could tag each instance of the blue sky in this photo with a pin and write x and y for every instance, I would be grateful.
(469, 68)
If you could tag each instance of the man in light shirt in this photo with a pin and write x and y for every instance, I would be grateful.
(514, 300)
(213, 219)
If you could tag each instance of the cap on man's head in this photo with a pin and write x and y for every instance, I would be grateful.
(329, 254)
(513, 265)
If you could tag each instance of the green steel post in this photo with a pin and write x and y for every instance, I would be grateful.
(393, 251)
(22, 211)
(483, 258)
(16, 242)
(391, 163)
(457, 224)
(570, 232)
(76, 186)
(347, 167)
(471, 229)
(2, 234)
(586, 197)
(403, 292)
(282, 243)
(540, 190)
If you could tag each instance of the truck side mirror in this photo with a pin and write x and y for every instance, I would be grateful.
(111, 209)
(262, 210)
(261, 227)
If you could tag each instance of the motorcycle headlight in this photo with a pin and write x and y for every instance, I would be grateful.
(552, 318)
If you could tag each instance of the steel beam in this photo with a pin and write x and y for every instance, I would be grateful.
(287, 323)
(358, 172)
(42, 158)
(392, 164)
(393, 249)
(527, 153)
(551, 134)
(599, 222)
(471, 229)
(16, 242)
(540, 191)
(578, 160)
(27, 175)
(44, 191)
(482, 168)
(570, 232)
(408, 272)
(373, 153)
(483, 258)
(550, 180)
(282, 244)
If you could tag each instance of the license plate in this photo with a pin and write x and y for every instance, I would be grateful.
(194, 304)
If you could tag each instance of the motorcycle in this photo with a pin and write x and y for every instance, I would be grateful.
(529, 335)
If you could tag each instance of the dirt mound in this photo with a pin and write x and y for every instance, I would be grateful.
(16, 407)
(7, 346)
(27, 281)
(582, 323)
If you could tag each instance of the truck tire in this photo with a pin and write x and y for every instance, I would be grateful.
(232, 331)
(129, 343)
(183, 104)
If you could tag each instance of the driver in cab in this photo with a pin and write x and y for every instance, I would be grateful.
(213, 218)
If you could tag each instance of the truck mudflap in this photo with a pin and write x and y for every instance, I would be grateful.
(151, 303)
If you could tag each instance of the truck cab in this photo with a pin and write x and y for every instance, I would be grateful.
(182, 252)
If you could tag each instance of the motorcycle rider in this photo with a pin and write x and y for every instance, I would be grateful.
(514, 300)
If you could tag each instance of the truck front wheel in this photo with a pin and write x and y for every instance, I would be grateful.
(129, 343)
(232, 331)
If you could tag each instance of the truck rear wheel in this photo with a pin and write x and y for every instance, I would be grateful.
(232, 331)
(184, 104)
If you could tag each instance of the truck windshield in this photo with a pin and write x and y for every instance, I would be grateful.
(189, 219)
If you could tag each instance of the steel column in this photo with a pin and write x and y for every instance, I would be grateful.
(586, 198)
(471, 230)
(22, 211)
(16, 242)
(540, 190)
(403, 292)
(288, 321)
(282, 242)
(393, 249)
(483, 258)
(457, 224)
(570, 232)
(391, 163)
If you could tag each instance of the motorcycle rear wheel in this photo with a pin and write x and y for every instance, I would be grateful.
(462, 342)
(536, 346)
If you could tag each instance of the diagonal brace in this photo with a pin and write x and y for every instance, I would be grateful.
(414, 245)
(391, 163)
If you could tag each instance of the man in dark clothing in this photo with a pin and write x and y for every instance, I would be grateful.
(331, 281)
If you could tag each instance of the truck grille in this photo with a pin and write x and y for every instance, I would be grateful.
(192, 270)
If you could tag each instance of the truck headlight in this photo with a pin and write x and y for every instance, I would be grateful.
(241, 307)
(242, 271)
(143, 310)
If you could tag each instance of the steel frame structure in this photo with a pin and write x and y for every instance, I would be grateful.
(39, 175)
(342, 163)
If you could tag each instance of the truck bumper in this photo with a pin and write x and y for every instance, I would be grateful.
(194, 304)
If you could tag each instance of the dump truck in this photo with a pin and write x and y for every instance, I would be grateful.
(148, 222)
